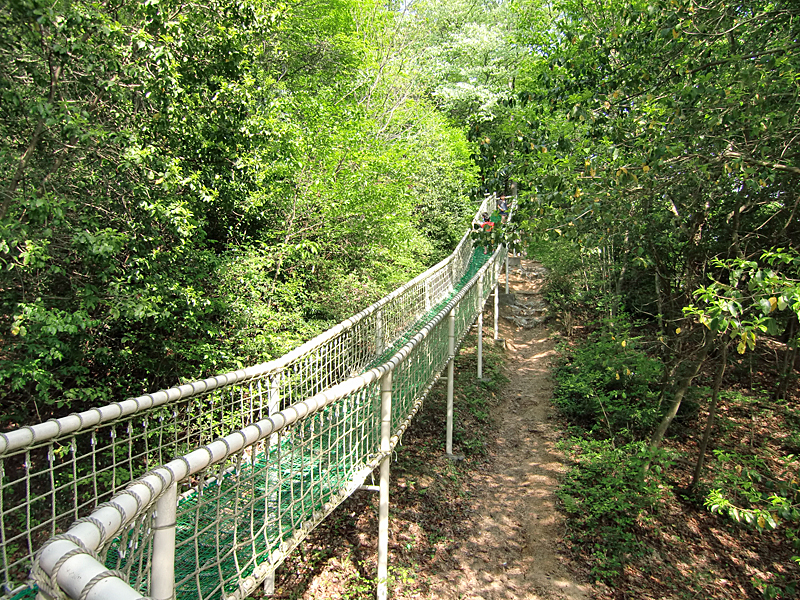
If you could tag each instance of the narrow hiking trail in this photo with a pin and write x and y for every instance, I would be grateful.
(513, 551)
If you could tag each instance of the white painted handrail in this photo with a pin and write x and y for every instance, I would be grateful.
(74, 564)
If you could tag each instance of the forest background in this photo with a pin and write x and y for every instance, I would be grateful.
(188, 188)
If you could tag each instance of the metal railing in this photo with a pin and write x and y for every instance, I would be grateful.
(271, 481)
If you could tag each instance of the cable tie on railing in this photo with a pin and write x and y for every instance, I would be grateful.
(164, 526)
(97, 579)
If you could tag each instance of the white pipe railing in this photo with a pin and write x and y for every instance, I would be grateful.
(60, 470)
(74, 564)
(66, 565)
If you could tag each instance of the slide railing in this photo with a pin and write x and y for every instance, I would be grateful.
(307, 429)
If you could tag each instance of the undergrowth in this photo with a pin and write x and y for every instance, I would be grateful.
(608, 387)
(737, 529)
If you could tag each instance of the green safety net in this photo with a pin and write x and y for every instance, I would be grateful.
(248, 510)
(28, 592)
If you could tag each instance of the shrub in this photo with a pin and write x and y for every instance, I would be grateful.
(609, 386)
(605, 496)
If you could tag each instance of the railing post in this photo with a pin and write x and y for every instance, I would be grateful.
(383, 506)
(496, 304)
(451, 351)
(162, 572)
(506, 270)
(480, 327)
(273, 407)
(379, 332)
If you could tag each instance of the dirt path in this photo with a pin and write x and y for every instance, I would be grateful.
(513, 552)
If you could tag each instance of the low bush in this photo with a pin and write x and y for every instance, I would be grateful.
(605, 496)
(610, 386)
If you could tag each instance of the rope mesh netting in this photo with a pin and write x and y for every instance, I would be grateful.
(239, 517)
(253, 508)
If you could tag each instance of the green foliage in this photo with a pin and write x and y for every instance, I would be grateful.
(751, 491)
(188, 189)
(610, 386)
(755, 298)
(605, 497)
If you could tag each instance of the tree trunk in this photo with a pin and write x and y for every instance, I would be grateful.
(789, 359)
(680, 392)
(712, 413)
(660, 303)
(621, 277)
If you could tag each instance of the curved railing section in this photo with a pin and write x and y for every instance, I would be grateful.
(307, 431)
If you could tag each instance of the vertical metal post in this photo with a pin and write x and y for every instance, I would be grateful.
(273, 406)
(480, 327)
(162, 571)
(451, 350)
(269, 585)
(379, 331)
(506, 271)
(383, 506)
(496, 307)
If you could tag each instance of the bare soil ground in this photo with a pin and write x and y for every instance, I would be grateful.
(486, 527)
(513, 552)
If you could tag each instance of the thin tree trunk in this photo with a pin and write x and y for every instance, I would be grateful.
(712, 414)
(788, 360)
(621, 278)
(680, 392)
(22, 164)
(660, 304)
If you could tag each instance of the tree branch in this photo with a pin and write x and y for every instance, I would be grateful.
(776, 166)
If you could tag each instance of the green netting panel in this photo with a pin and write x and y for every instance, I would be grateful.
(24, 593)
(248, 510)
(242, 516)
(70, 466)
(241, 512)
